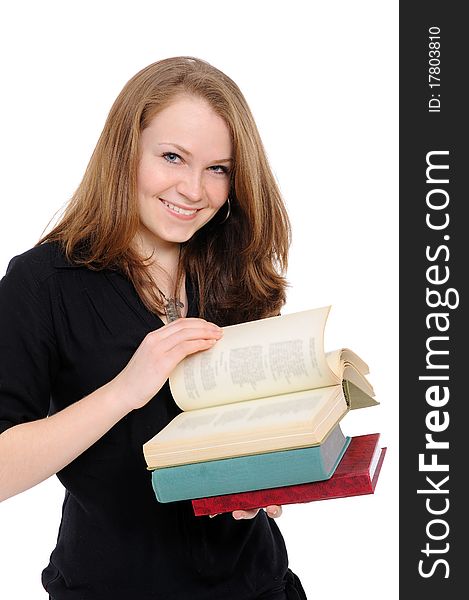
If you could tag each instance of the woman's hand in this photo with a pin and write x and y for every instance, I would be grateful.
(274, 511)
(53, 442)
(158, 354)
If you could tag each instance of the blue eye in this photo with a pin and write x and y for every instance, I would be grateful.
(171, 157)
(222, 170)
(174, 159)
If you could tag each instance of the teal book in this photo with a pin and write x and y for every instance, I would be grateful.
(251, 472)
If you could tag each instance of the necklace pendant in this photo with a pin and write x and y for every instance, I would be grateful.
(173, 309)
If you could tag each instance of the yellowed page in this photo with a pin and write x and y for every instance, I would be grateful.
(287, 421)
(348, 365)
(257, 359)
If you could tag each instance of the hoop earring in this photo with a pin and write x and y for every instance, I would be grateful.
(229, 211)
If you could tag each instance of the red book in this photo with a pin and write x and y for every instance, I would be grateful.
(356, 474)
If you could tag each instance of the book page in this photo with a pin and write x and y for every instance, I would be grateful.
(258, 359)
(374, 460)
(348, 365)
(286, 421)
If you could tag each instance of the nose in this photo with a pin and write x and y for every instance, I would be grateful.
(190, 185)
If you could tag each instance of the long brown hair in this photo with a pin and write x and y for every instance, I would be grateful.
(238, 265)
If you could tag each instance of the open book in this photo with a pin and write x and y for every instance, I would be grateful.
(267, 385)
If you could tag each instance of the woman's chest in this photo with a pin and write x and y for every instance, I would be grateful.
(99, 322)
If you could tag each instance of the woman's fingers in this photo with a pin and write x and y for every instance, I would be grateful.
(159, 353)
(245, 514)
(180, 325)
(274, 511)
(183, 349)
(186, 334)
(168, 352)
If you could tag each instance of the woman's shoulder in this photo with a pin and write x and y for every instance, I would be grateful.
(38, 263)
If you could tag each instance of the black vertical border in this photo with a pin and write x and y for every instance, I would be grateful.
(422, 131)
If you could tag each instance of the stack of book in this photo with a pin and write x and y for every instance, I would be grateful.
(261, 420)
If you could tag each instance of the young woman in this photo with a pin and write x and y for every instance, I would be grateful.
(176, 230)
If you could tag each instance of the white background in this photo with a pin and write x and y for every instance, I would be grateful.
(321, 80)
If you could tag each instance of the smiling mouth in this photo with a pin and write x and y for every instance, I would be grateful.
(177, 209)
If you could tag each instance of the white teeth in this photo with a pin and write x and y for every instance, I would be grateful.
(181, 211)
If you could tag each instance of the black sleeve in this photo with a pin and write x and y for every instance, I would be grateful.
(28, 357)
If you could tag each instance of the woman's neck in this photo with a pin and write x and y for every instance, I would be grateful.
(162, 264)
(158, 253)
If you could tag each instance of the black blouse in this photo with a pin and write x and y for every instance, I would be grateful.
(65, 331)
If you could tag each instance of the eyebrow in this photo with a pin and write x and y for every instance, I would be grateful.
(219, 160)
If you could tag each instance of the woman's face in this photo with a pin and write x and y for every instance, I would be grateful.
(183, 176)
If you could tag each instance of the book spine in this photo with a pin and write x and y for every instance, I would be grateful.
(351, 486)
(242, 474)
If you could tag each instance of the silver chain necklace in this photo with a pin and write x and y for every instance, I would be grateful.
(173, 306)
